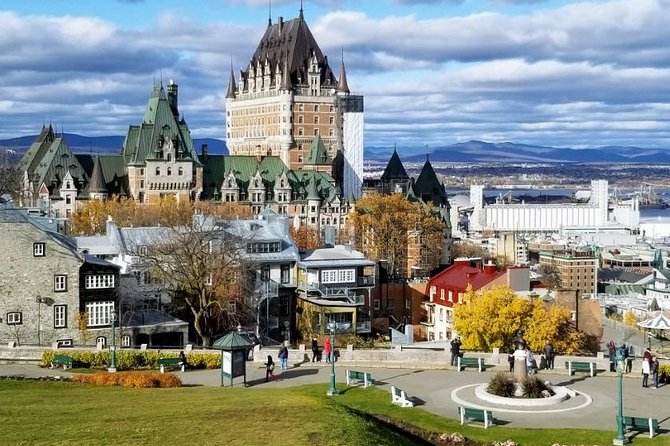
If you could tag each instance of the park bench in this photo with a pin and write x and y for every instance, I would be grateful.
(642, 424)
(470, 362)
(581, 366)
(64, 360)
(470, 413)
(364, 377)
(400, 397)
(164, 363)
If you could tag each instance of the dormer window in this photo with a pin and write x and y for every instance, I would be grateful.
(68, 185)
(169, 170)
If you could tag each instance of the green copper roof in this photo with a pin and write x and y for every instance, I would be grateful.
(37, 149)
(218, 167)
(317, 153)
(232, 341)
(159, 123)
(114, 171)
(56, 162)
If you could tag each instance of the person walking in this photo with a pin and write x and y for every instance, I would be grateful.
(269, 369)
(549, 356)
(328, 349)
(455, 350)
(653, 368)
(283, 357)
(315, 350)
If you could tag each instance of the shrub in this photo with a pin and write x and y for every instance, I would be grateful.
(664, 373)
(502, 384)
(133, 359)
(135, 380)
(532, 387)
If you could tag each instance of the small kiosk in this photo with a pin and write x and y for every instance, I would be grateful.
(234, 349)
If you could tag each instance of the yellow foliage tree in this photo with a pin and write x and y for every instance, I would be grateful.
(630, 319)
(491, 317)
(552, 324)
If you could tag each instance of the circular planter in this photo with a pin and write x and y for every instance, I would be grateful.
(560, 394)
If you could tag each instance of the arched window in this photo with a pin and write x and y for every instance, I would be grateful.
(316, 119)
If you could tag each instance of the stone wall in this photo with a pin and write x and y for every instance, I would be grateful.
(24, 278)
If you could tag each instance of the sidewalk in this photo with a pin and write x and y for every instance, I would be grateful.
(435, 387)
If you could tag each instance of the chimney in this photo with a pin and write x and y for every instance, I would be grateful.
(281, 24)
(490, 268)
(172, 97)
(204, 153)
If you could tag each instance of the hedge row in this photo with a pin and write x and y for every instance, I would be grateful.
(136, 380)
(132, 359)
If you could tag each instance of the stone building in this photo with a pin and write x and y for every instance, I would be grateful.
(576, 268)
(51, 291)
(288, 94)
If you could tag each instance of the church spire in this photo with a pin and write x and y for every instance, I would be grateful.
(231, 82)
(270, 13)
(301, 15)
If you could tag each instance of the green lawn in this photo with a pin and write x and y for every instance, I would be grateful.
(33, 413)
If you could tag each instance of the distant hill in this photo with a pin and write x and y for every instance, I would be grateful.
(480, 151)
(105, 144)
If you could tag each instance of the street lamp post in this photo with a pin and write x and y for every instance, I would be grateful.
(620, 437)
(332, 391)
(112, 349)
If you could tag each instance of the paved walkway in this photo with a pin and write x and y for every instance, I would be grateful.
(434, 389)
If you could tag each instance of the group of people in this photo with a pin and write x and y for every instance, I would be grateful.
(546, 362)
(649, 366)
(282, 355)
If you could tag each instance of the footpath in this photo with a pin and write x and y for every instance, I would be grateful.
(433, 389)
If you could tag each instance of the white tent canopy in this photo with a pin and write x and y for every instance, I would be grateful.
(660, 322)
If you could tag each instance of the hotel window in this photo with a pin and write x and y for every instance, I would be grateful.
(300, 119)
(60, 283)
(125, 341)
(180, 171)
(39, 249)
(316, 132)
(60, 316)
(169, 171)
(158, 170)
(316, 108)
(441, 314)
(301, 132)
(99, 281)
(99, 313)
(316, 119)
(14, 318)
(331, 120)
(376, 304)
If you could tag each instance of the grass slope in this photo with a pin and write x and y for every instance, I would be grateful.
(56, 413)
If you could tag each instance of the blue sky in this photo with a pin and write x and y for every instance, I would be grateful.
(434, 72)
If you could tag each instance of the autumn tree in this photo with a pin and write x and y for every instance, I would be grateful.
(304, 237)
(381, 224)
(491, 317)
(203, 266)
(630, 319)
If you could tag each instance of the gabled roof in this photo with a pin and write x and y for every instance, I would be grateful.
(293, 42)
(461, 274)
(159, 123)
(317, 153)
(37, 149)
(337, 256)
(428, 188)
(394, 169)
(55, 163)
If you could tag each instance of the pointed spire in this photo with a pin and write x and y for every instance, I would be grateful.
(270, 13)
(231, 82)
(343, 85)
(97, 184)
(301, 16)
